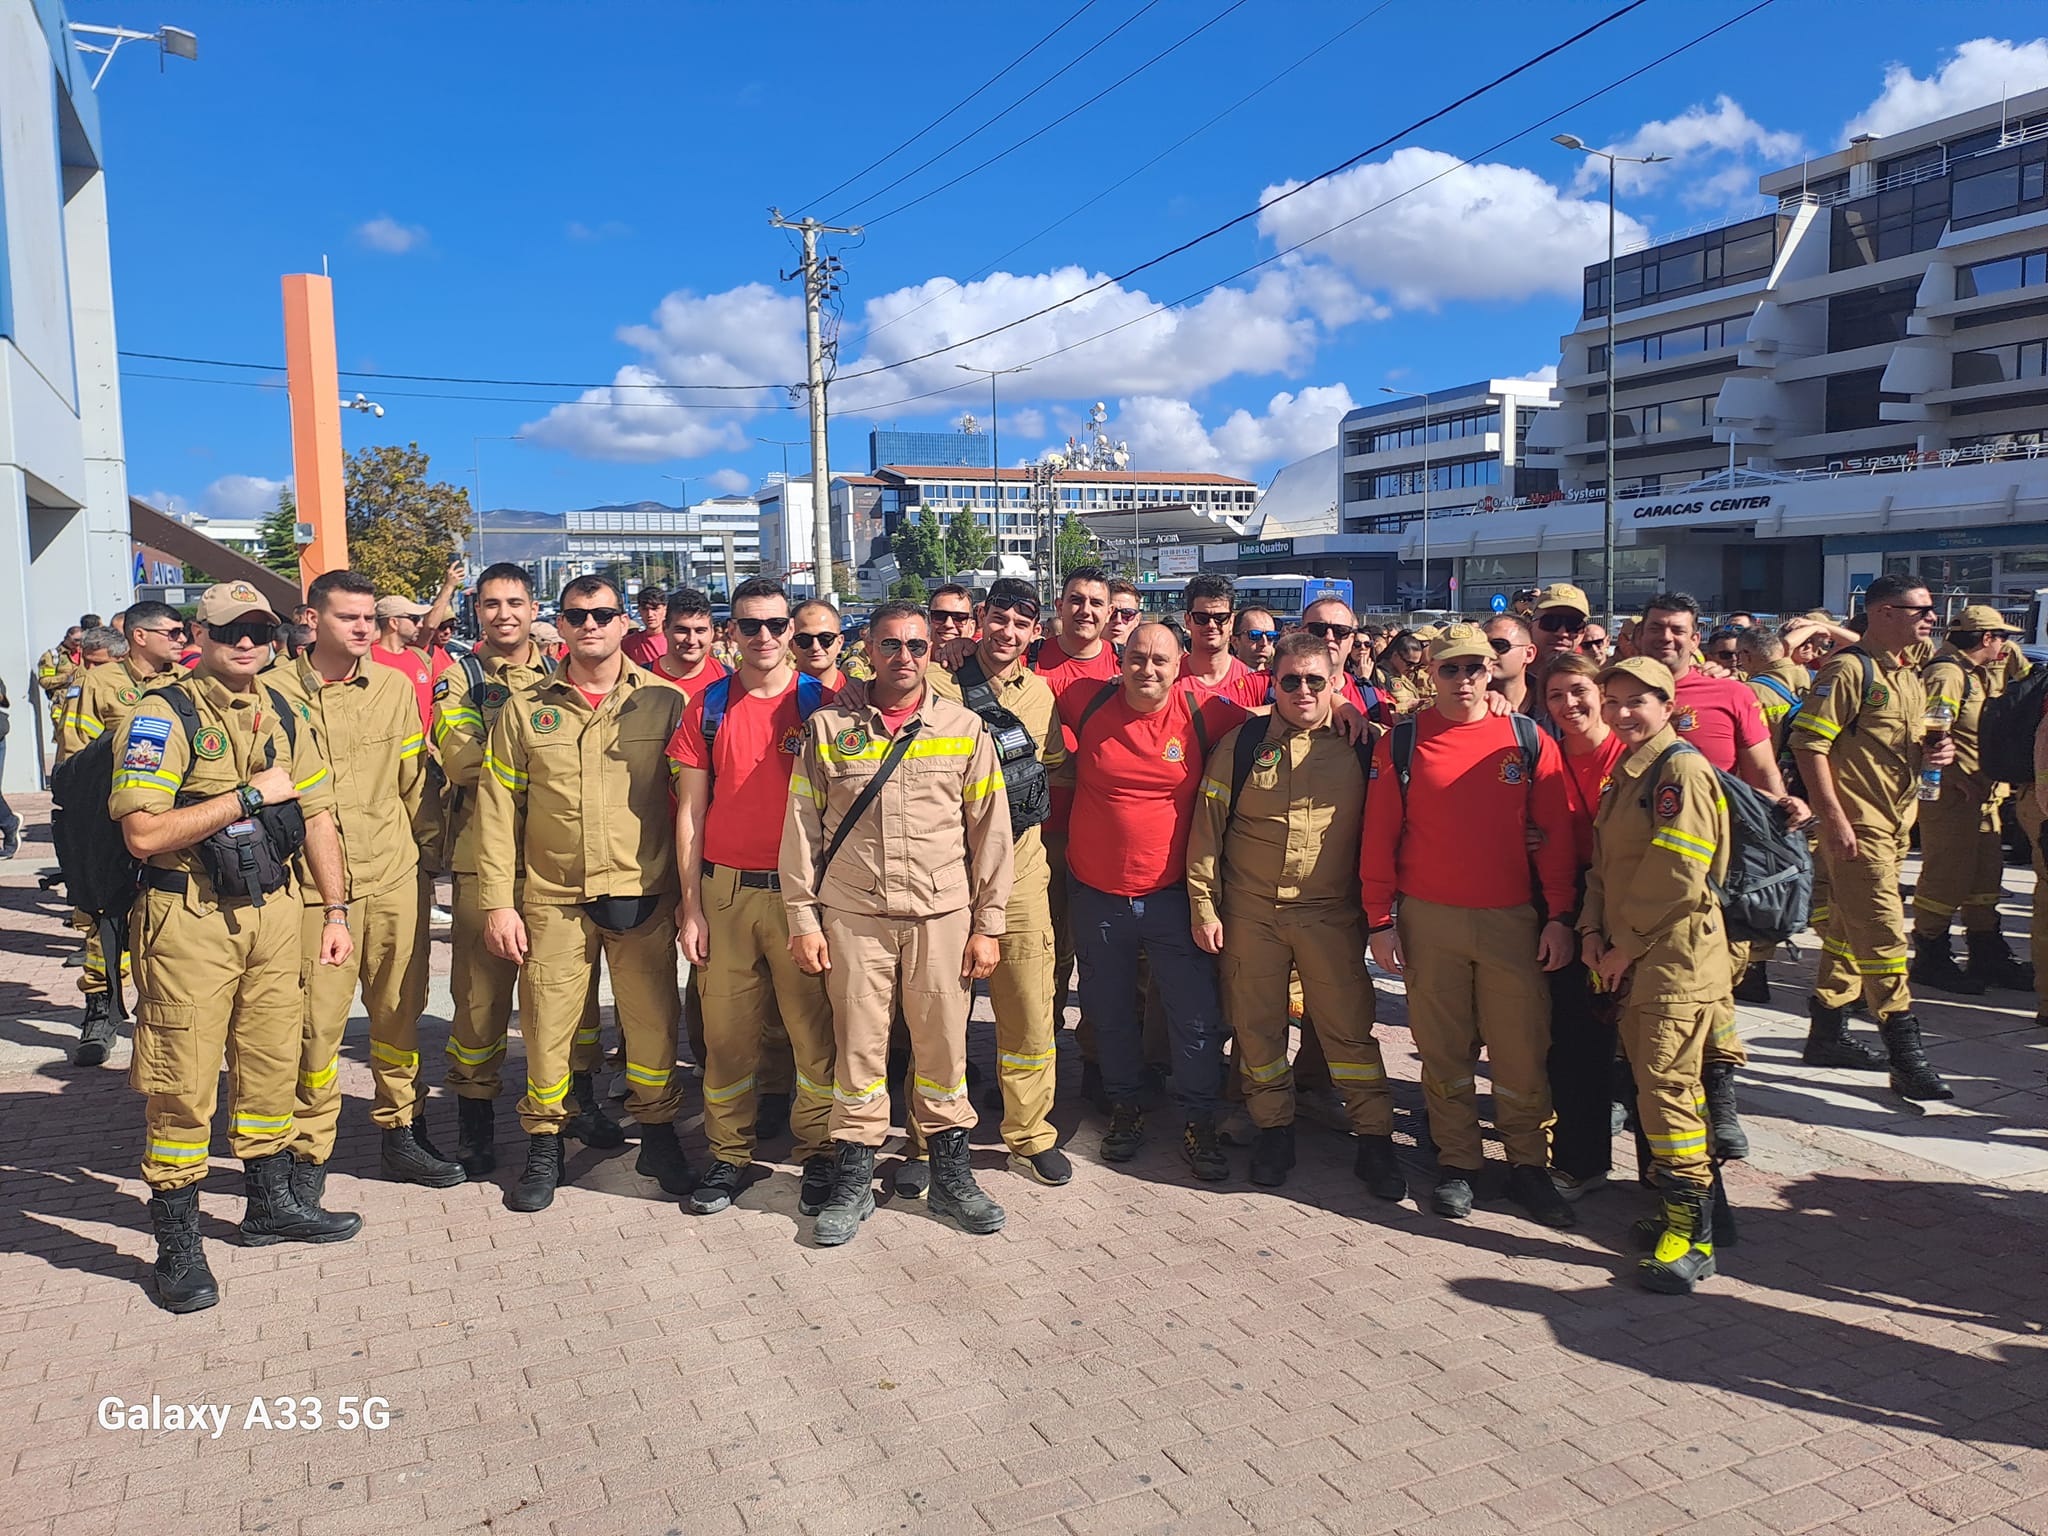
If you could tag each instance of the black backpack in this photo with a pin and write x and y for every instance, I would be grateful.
(1528, 737)
(1768, 895)
(2006, 726)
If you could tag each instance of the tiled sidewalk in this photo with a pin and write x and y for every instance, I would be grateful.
(1129, 1354)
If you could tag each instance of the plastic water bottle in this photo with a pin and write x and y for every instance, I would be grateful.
(1939, 717)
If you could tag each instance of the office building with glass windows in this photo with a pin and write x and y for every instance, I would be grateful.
(966, 450)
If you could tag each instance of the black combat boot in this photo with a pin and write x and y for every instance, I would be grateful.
(1376, 1166)
(1272, 1156)
(771, 1117)
(407, 1157)
(1755, 986)
(476, 1136)
(96, 1036)
(913, 1177)
(309, 1187)
(816, 1186)
(1684, 1252)
(852, 1197)
(1203, 1153)
(954, 1194)
(275, 1215)
(183, 1282)
(1993, 964)
(1829, 1044)
(717, 1190)
(1913, 1076)
(590, 1124)
(662, 1159)
(1535, 1192)
(1934, 966)
(536, 1188)
(1731, 1142)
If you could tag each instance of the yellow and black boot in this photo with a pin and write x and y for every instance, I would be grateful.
(1684, 1254)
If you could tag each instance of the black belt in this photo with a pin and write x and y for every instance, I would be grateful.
(175, 882)
(753, 879)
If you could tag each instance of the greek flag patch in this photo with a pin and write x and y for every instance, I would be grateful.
(149, 728)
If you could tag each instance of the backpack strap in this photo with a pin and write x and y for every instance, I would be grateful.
(1403, 748)
(975, 691)
(1779, 689)
(181, 704)
(284, 715)
(1656, 768)
(1869, 679)
(1201, 725)
(1530, 740)
(1242, 757)
(716, 697)
(1103, 695)
(473, 674)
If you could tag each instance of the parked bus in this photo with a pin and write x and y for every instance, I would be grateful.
(1284, 596)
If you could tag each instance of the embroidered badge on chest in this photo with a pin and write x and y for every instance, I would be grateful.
(1878, 696)
(1670, 800)
(852, 739)
(1175, 752)
(1512, 768)
(546, 720)
(210, 744)
(1268, 757)
(1685, 722)
(793, 740)
(495, 695)
(127, 695)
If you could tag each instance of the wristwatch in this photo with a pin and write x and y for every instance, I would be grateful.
(251, 798)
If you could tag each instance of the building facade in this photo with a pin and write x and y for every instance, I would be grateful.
(966, 450)
(702, 543)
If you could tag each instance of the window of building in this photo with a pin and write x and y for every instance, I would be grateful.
(1932, 157)
(1852, 400)
(2003, 275)
(2002, 185)
(1535, 482)
(1871, 317)
(1892, 223)
(1687, 415)
(1740, 253)
(1667, 345)
(1441, 429)
(2001, 365)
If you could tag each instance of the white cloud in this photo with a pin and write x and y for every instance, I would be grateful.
(1488, 233)
(1028, 422)
(1166, 433)
(386, 234)
(608, 229)
(231, 497)
(729, 482)
(1697, 135)
(1980, 71)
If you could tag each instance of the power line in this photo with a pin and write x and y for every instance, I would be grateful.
(963, 101)
(438, 378)
(417, 394)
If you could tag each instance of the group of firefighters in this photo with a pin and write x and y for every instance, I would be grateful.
(1220, 820)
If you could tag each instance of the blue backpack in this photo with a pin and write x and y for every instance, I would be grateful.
(810, 696)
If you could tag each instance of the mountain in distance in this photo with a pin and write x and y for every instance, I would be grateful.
(519, 535)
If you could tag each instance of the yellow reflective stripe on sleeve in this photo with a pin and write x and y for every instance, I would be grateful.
(1827, 730)
(412, 746)
(321, 1078)
(646, 1077)
(1678, 843)
(1215, 790)
(303, 785)
(727, 1094)
(1356, 1072)
(550, 1095)
(472, 1058)
(393, 1056)
(88, 727)
(167, 1151)
(801, 786)
(505, 774)
(983, 787)
(131, 779)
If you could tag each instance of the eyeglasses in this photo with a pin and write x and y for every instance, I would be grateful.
(777, 626)
(896, 645)
(576, 618)
(1294, 682)
(252, 630)
(1210, 620)
(1918, 610)
(952, 615)
(1123, 615)
(1561, 622)
(1452, 669)
(1258, 634)
(1500, 647)
(818, 640)
(1323, 631)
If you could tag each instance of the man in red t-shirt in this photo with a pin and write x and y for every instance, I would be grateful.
(1209, 664)
(650, 641)
(732, 793)
(1448, 839)
(398, 628)
(686, 658)
(1140, 748)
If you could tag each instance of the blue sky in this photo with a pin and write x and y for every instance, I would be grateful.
(577, 194)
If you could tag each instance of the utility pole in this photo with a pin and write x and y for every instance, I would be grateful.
(818, 281)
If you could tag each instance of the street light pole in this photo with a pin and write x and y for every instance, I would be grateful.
(1412, 395)
(1573, 141)
(783, 500)
(476, 470)
(995, 447)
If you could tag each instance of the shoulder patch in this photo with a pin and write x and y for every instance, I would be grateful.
(441, 687)
(149, 728)
(1670, 801)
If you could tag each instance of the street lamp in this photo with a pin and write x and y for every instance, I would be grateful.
(174, 41)
(1412, 395)
(783, 503)
(683, 546)
(476, 470)
(995, 446)
(1573, 141)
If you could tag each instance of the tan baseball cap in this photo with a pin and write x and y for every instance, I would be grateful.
(1461, 640)
(1643, 669)
(400, 608)
(227, 601)
(1562, 594)
(546, 633)
(1984, 617)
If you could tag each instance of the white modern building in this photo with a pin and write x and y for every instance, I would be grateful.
(63, 479)
(703, 542)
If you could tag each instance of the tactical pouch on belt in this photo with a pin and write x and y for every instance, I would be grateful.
(618, 914)
(250, 859)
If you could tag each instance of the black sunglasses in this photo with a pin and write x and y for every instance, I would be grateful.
(896, 645)
(576, 618)
(1123, 615)
(821, 640)
(1210, 620)
(252, 630)
(1500, 647)
(1726, 658)
(1561, 622)
(1294, 682)
(778, 626)
(953, 615)
(1324, 631)
(1461, 669)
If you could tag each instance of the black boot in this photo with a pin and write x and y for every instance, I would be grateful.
(852, 1200)
(1829, 1044)
(275, 1214)
(1272, 1156)
(1536, 1193)
(97, 1034)
(1913, 1076)
(954, 1194)
(1125, 1135)
(476, 1136)
(309, 1188)
(536, 1188)
(662, 1159)
(590, 1124)
(1684, 1252)
(407, 1157)
(815, 1188)
(1934, 966)
(183, 1282)
(771, 1117)
(1203, 1153)
(1755, 986)
(1379, 1169)
(1731, 1142)
(1995, 965)
(913, 1178)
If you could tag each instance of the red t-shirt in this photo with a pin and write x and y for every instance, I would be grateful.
(892, 719)
(1136, 777)
(417, 668)
(1458, 836)
(1586, 780)
(594, 700)
(758, 743)
(1061, 672)
(706, 674)
(644, 645)
(1719, 715)
(1240, 684)
(441, 660)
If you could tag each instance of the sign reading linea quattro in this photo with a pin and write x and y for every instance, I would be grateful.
(1702, 508)
(1265, 549)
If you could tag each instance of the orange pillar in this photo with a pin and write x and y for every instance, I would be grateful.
(314, 385)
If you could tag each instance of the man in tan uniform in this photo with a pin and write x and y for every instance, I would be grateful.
(896, 862)
(1858, 742)
(467, 701)
(1273, 887)
(1962, 851)
(203, 776)
(368, 721)
(578, 784)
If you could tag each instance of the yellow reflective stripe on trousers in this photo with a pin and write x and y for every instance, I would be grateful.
(1022, 1062)
(261, 1125)
(587, 1036)
(472, 1058)
(1929, 905)
(938, 1091)
(646, 1077)
(1674, 1146)
(727, 1094)
(391, 1055)
(321, 1078)
(1883, 966)
(550, 1094)
(167, 1151)
(1270, 1072)
(818, 1090)
(874, 1090)
(1356, 1072)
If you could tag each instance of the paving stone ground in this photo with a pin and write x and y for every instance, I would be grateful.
(1130, 1354)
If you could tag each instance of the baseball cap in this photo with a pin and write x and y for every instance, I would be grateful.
(1562, 594)
(1643, 669)
(546, 633)
(1982, 616)
(400, 608)
(1461, 640)
(226, 601)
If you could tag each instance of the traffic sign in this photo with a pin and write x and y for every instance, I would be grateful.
(1500, 602)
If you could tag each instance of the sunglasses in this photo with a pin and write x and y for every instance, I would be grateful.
(1209, 620)
(952, 616)
(1123, 615)
(778, 627)
(1918, 610)
(1590, 647)
(1024, 609)
(1294, 682)
(1323, 631)
(1453, 669)
(895, 645)
(576, 618)
(251, 630)
(1563, 622)
(1500, 647)
(1258, 634)
(1726, 658)
(166, 634)
(821, 640)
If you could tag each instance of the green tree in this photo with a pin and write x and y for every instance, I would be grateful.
(843, 584)
(1072, 546)
(403, 528)
(910, 589)
(967, 546)
(920, 545)
(280, 532)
